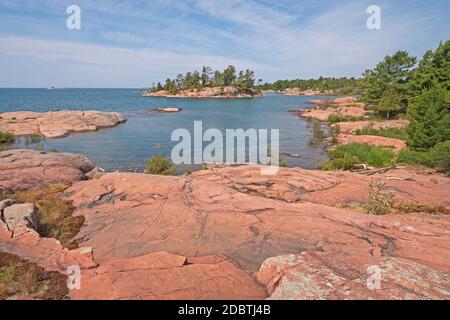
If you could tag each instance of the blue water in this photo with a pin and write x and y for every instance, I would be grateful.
(130, 145)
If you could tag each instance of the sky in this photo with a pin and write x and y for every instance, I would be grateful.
(134, 43)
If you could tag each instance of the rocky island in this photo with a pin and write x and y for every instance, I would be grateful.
(57, 124)
(228, 84)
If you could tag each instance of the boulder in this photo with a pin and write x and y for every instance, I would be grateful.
(314, 276)
(23, 169)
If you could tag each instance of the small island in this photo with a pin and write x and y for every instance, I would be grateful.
(228, 84)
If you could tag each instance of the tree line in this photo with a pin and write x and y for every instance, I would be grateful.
(402, 86)
(344, 85)
(244, 80)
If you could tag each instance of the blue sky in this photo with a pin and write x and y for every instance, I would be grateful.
(132, 43)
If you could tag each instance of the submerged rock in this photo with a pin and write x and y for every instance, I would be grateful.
(169, 109)
(56, 124)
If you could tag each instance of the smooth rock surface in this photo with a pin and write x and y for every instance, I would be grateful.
(22, 169)
(396, 144)
(164, 276)
(351, 127)
(56, 124)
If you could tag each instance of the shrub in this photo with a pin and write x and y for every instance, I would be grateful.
(347, 155)
(332, 119)
(379, 202)
(317, 133)
(335, 131)
(160, 165)
(397, 133)
(438, 157)
(6, 138)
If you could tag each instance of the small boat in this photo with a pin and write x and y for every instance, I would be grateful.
(51, 88)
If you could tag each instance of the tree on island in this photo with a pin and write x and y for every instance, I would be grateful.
(244, 81)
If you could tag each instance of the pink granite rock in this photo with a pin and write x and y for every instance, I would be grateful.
(56, 124)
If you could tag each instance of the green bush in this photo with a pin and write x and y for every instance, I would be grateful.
(332, 119)
(347, 155)
(397, 133)
(438, 157)
(160, 165)
(6, 138)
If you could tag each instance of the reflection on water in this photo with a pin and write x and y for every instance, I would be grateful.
(130, 145)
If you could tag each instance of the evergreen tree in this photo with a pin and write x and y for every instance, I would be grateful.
(394, 71)
(389, 103)
(434, 66)
(429, 114)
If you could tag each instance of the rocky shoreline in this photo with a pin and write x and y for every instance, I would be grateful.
(230, 233)
(57, 124)
(351, 107)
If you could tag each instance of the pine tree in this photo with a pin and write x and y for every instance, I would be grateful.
(389, 103)
(429, 114)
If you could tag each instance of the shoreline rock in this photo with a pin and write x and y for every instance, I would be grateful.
(24, 169)
(169, 109)
(352, 126)
(57, 124)
(378, 141)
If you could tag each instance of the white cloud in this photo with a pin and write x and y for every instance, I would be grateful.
(114, 65)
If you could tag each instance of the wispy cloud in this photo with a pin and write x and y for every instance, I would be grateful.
(136, 42)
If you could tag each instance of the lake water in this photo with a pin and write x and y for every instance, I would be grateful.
(130, 145)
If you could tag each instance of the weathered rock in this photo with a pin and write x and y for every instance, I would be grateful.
(396, 144)
(57, 124)
(315, 276)
(351, 127)
(165, 276)
(20, 215)
(129, 215)
(22, 169)
(203, 236)
(324, 114)
(45, 252)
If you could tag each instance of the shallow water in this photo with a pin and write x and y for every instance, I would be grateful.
(130, 145)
